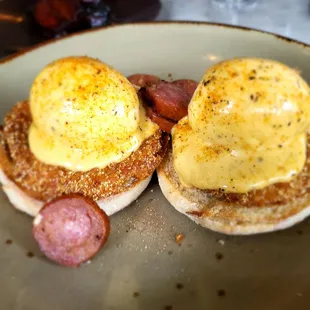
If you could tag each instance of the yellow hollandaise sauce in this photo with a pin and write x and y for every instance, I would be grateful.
(246, 127)
(85, 115)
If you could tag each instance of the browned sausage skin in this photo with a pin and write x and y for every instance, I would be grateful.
(143, 80)
(189, 86)
(164, 124)
(71, 229)
(165, 103)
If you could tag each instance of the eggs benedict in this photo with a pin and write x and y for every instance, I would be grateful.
(239, 161)
(83, 131)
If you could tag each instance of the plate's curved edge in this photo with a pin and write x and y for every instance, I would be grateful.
(152, 23)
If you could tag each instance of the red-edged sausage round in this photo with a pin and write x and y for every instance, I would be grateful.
(168, 100)
(71, 229)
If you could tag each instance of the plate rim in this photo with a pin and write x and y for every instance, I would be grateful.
(28, 50)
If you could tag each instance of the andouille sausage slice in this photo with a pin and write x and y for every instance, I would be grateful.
(189, 86)
(71, 229)
(143, 80)
(163, 123)
(168, 100)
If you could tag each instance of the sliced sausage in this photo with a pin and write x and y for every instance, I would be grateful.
(189, 86)
(71, 229)
(143, 80)
(168, 100)
(164, 124)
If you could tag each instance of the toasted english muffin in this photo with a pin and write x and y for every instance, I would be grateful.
(231, 213)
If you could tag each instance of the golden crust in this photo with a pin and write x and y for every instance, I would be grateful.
(44, 182)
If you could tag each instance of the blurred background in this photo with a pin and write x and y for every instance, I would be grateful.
(24, 23)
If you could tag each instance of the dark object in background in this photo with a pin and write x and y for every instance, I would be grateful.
(60, 17)
(28, 31)
(125, 11)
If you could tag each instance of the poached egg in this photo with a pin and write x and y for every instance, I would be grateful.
(246, 127)
(85, 115)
